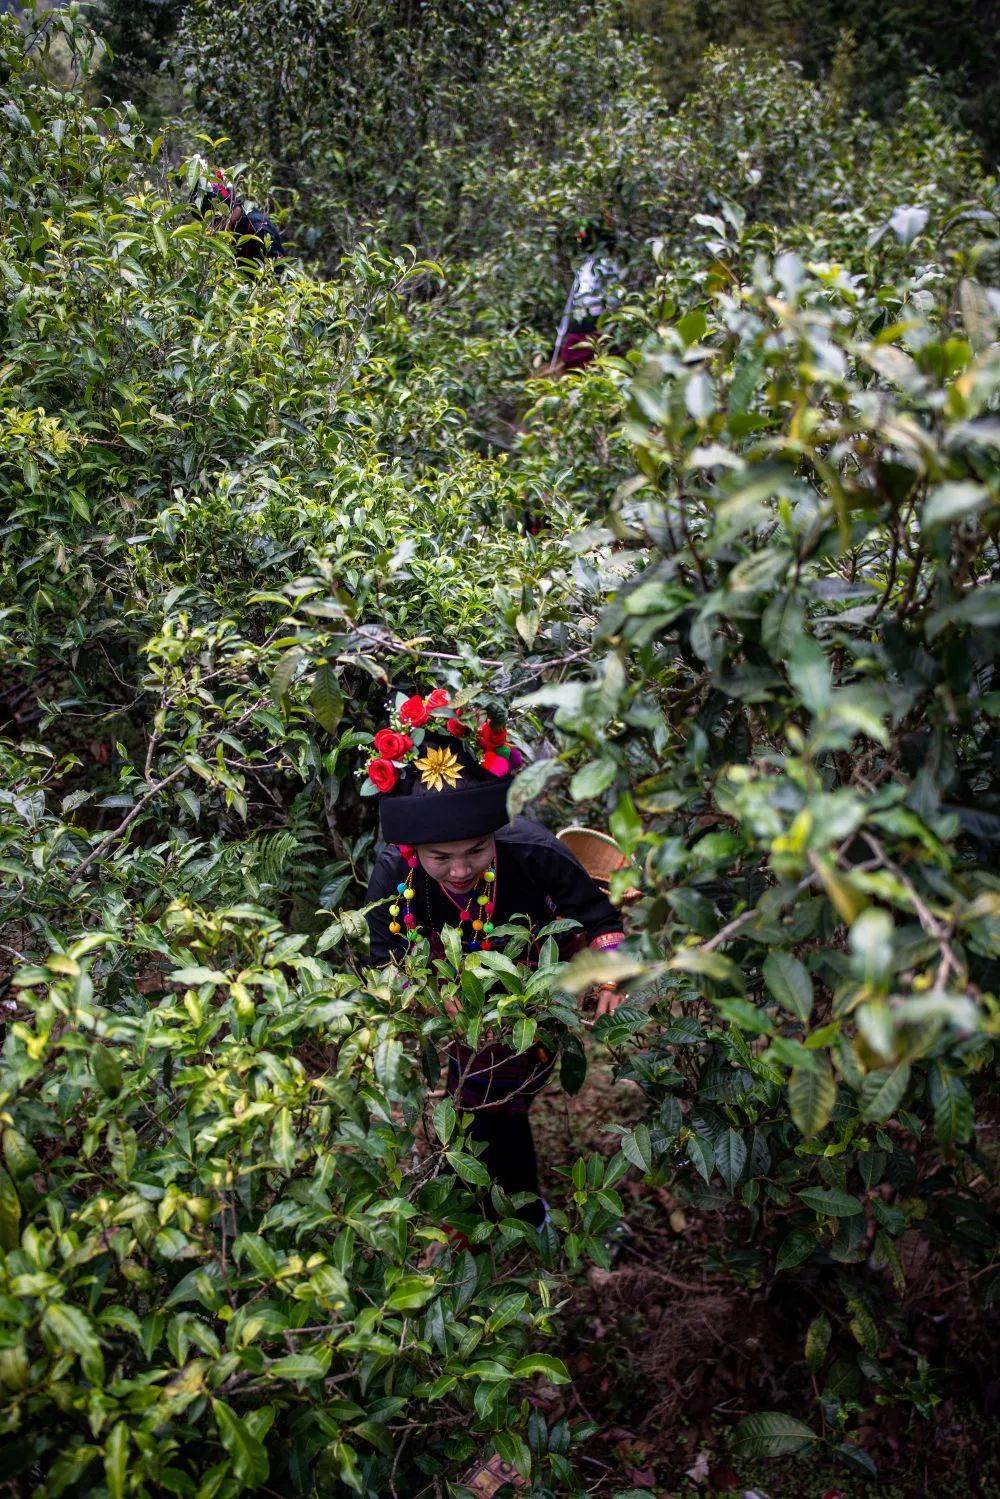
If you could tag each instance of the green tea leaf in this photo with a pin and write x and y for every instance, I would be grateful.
(818, 1337)
(624, 825)
(10, 1213)
(701, 1156)
(773, 1434)
(795, 1248)
(592, 779)
(249, 1459)
(831, 1202)
(327, 699)
(788, 980)
(468, 1168)
(68, 1327)
(299, 1368)
(809, 673)
(410, 1293)
(730, 1156)
(572, 1069)
(553, 1369)
(445, 1119)
(812, 1094)
(107, 1070)
(883, 1091)
(637, 1148)
(531, 782)
(284, 672)
(953, 1116)
(284, 1146)
(116, 1460)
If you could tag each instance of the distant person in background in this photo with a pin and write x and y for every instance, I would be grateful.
(256, 235)
(596, 289)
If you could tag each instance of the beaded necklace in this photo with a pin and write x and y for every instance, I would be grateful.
(480, 915)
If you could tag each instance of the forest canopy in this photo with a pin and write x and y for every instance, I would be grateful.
(739, 577)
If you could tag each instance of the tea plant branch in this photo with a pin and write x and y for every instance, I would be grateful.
(689, 541)
(154, 791)
(931, 925)
(126, 823)
(494, 441)
(958, 1285)
(891, 579)
(738, 922)
(906, 602)
(377, 639)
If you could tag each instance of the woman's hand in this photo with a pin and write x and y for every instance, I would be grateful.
(451, 1003)
(608, 999)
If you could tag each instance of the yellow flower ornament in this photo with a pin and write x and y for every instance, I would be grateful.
(439, 768)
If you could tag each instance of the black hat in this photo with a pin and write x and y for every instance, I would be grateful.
(465, 801)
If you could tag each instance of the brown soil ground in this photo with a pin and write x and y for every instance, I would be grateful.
(668, 1353)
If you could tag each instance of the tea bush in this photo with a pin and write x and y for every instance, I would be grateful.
(213, 1212)
(742, 572)
(795, 736)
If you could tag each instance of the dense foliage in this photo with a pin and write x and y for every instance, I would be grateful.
(873, 52)
(742, 574)
(137, 36)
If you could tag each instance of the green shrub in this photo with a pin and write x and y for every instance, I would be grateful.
(757, 627)
(795, 728)
(872, 55)
(213, 1211)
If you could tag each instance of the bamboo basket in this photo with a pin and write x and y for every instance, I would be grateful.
(599, 854)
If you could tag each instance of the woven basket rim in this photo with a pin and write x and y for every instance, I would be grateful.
(604, 846)
(598, 853)
(578, 827)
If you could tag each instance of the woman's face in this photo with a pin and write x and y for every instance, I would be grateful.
(458, 865)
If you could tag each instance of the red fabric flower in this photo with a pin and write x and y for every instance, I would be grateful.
(439, 698)
(415, 712)
(392, 746)
(382, 774)
(490, 737)
(495, 764)
(457, 727)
